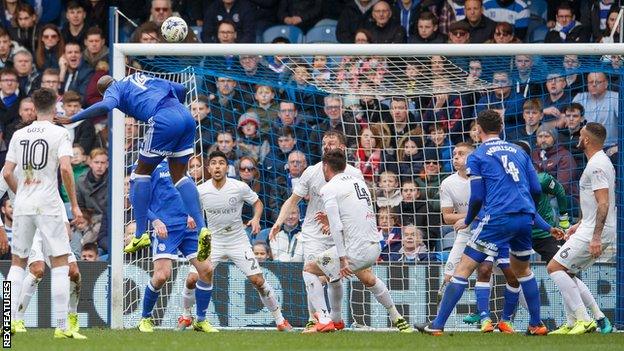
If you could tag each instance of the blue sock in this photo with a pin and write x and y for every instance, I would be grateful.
(149, 300)
(453, 293)
(511, 302)
(203, 292)
(141, 198)
(482, 292)
(190, 196)
(532, 296)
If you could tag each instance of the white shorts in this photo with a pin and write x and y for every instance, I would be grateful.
(238, 251)
(313, 248)
(574, 254)
(329, 261)
(461, 240)
(55, 241)
(37, 254)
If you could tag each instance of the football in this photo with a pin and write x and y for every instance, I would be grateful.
(174, 29)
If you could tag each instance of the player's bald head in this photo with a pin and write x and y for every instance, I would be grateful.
(104, 82)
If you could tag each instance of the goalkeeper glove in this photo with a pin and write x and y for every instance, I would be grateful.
(564, 221)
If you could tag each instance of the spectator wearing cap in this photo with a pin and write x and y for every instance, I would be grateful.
(567, 29)
(574, 116)
(459, 33)
(383, 27)
(353, 16)
(552, 157)
(429, 181)
(249, 137)
(532, 114)
(301, 13)
(557, 98)
(601, 105)
(515, 12)
(427, 30)
(481, 27)
(413, 248)
(237, 11)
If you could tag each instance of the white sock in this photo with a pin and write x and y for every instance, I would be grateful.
(188, 301)
(522, 300)
(74, 294)
(60, 295)
(267, 295)
(380, 290)
(570, 317)
(316, 296)
(588, 299)
(29, 286)
(334, 290)
(571, 294)
(310, 308)
(16, 277)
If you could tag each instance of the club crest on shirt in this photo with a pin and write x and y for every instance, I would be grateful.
(161, 247)
(325, 260)
(232, 201)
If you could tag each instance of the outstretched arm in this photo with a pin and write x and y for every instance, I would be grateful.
(101, 108)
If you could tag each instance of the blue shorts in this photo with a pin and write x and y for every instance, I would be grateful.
(179, 238)
(500, 235)
(171, 133)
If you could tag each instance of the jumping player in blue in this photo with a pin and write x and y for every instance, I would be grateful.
(503, 190)
(174, 231)
(159, 103)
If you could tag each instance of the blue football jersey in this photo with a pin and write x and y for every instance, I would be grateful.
(166, 202)
(508, 176)
(139, 95)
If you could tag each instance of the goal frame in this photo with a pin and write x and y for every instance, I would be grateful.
(116, 142)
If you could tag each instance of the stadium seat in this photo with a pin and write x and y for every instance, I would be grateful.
(537, 32)
(326, 22)
(538, 8)
(292, 33)
(198, 31)
(321, 34)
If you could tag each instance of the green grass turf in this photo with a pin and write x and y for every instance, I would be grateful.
(106, 339)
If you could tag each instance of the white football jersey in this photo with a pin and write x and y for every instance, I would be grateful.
(36, 150)
(356, 211)
(598, 174)
(224, 206)
(455, 193)
(310, 183)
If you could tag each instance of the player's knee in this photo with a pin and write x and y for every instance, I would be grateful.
(484, 271)
(191, 280)
(553, 266)
(257, 280)
(511, 278)
(37, 269)
(160, 277)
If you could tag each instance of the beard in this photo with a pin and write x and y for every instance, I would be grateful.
(580, 145)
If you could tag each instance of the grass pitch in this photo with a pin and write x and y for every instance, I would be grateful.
(106, 339)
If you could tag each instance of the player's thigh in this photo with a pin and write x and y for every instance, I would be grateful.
(574, 255)
(36, 251)
(365, 257)
(186, 140)
(54, 235)
(546, 247)
(329, 262)
(243, 257)
(521, 243)
(456, 253)
(24, 228)
(168, 247)
(313, 248)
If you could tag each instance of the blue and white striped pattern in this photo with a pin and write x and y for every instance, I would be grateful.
(517, 14)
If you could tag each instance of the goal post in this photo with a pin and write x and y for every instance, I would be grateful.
(199, 55)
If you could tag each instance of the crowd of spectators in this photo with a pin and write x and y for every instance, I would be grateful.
(268, 115)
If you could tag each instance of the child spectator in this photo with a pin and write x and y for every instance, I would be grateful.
(249, 140)
(532, 114)
(81, 132)
(287, 246)
(368, 154)
(89, 252)
(427, 30)
(265, 107)
(388, 193)
(261, 251)
(320, 69)
(439, 140)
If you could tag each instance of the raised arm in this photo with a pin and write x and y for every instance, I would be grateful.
(100, 108)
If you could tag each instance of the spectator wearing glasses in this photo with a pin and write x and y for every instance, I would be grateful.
(249, 172)
(383, 27)
(567, 29)
(226, 32)
(160, 11)
(459, 33)
(237, 11)
(26, 27)
(481, 27)
(503, 99)
(75, 29)
(50, 47)
(556, 99)
(601, 106)
(338, 119)
(504, 34)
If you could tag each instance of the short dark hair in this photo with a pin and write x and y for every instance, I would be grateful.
(574, 106)
(335, 134)
(336, 160)
(286, 131)
(428, 16)
(74, 5)
(9, 71)
(44, 100)
(95, 30)
(215, 154)
(89, 247)
(524, 145)
(490, 121)
(597, 130)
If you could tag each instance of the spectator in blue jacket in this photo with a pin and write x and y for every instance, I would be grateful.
(237, 11)
(75, 71)
(301, 13)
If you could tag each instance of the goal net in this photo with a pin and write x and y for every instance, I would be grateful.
(402, 110)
